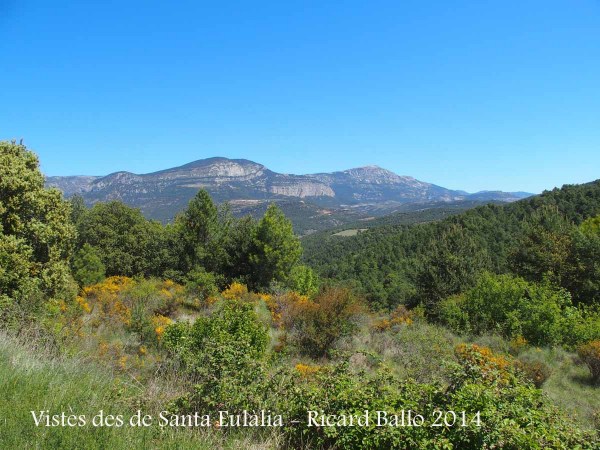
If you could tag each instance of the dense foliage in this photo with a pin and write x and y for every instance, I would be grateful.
(479, 314)
(36, 235)
(538, 312)
(533, 238)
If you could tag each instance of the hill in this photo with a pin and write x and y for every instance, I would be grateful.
(385, 262)
(328, 199)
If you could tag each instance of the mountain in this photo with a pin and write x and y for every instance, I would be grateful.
(321, 200)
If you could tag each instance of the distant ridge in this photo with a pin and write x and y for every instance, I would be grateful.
(248, 185)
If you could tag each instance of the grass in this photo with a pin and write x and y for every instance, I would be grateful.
(570, 386)
(32, 380)
(420, 351)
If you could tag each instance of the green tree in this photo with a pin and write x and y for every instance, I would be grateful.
(545, 247)
(275, 249)
(303, 280)
(36, 234)
(127, 242)
(78, 208)
(591, 226)
(204, 230)
(580, 274)
(87, 266)
(451, 265)
(239, 246)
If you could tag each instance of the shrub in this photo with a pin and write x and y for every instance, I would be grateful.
(141, 306)
(317, 324)
(235, 291)
(512, 415)
(303, 279)
(538, 312)
(224, 354)
(202, 284)
(536, 372)
(401, 315)
(481, 363)
(590, 354)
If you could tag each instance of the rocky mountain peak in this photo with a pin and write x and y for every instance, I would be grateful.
(376, 175)
(163, 194)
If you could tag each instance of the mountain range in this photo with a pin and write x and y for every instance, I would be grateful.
(329, 199)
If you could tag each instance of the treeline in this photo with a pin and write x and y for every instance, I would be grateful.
(50, 248)
(553, 237)
(204, 241)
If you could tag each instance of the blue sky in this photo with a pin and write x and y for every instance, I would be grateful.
(466, 94)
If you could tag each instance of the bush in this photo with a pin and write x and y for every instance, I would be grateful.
(590, 354)
(303, 279)
(538, 312)
(400, 316)
(202, 284)
(141, 306)
(224, 354)
(536, 372)
(317, 324)
(512, 415)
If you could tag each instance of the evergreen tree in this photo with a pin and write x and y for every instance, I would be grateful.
(78, 208)
(204, 230)
(87, 266)
(275, 249)
(452, 265)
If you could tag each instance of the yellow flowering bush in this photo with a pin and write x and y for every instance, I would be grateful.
(236, 291)
(107, 295)
(307, 370)
(401, 315)
(483, 362)
(517, 344)
(160, 323)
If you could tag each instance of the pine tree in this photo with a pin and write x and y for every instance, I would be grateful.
(276, 248)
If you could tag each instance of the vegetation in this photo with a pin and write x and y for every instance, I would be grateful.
(486, 323)
(590, 353)
(539, 313)
(389, 263)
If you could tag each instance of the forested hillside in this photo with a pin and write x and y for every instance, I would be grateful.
(485, 325)
(408, 264)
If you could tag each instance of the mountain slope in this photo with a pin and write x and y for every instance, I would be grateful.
(349, 195)
(385, 261)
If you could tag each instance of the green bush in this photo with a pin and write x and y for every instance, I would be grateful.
(224, 353)
(513, 415)
(508, 305)
(303, 280)
(202, 284)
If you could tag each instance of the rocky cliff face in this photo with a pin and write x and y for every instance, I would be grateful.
(162, 194)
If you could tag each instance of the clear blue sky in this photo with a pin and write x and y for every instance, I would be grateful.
(466, 94)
